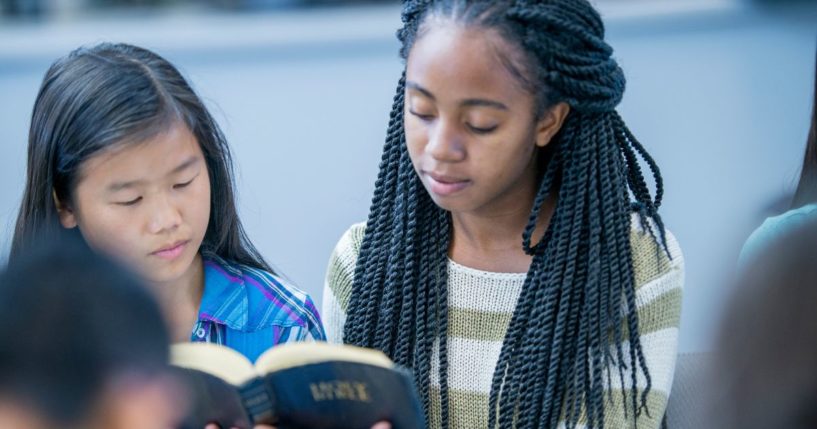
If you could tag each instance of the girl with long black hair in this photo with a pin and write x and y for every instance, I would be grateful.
(124, 153)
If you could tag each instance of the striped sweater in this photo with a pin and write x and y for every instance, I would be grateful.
(481, 304)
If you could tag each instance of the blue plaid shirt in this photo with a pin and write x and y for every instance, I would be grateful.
(251, 310)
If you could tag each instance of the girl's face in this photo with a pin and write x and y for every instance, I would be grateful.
(469, 124)
(147, 203)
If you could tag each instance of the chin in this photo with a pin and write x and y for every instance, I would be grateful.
(162, 277)
(449, 205)
(167, 272)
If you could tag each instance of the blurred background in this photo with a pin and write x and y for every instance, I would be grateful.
(719, 91)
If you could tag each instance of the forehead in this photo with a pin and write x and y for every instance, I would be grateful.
(469, 61)
(152, 158)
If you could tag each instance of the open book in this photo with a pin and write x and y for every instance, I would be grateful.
(305, 385)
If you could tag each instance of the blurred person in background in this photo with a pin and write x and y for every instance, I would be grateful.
(766, 362)
(804, 204)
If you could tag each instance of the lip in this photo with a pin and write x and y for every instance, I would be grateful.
(171, 251)
(445, 185)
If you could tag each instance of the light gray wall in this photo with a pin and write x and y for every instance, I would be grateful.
(724, 106)
(721, 97)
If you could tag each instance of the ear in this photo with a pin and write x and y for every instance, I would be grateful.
(550, 123)
(66, 214)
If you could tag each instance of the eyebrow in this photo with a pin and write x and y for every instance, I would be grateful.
(420, 89)
(118, 186)
(481, 102)
(471, 102)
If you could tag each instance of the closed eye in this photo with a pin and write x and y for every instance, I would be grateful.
(479, 130)
(130, 203)
(421, 116)
(183, 185)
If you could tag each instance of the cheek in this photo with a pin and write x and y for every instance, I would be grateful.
(416, 140)
(505, 157)
(524, 156)
(108, 230)
(106, 227)
(197, 205)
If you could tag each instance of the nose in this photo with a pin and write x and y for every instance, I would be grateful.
(445, 142)
(164, 215)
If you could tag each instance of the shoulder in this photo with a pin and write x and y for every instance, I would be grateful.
(659, 282)
(650, 260)
(349, 244)
(774, 227)
(279, 299)
(341, 269)
(256, 297)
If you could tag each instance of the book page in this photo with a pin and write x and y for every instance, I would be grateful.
(220, 361)
(297, 354)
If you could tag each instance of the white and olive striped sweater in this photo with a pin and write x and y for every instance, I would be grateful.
(481, 304)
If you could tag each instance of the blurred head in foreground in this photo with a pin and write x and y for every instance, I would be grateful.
(83, 345)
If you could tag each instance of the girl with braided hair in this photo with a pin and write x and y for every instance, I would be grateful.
(513, 258)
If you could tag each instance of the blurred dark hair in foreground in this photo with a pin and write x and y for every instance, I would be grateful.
(766, 366)
(72, 323)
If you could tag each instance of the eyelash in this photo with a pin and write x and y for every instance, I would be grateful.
(137, 199)
(475, 130)
(183, 185)
(131, 202)
(422, 117)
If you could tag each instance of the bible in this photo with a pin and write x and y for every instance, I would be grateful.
(308, 385)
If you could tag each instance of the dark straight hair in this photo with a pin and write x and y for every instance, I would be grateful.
(96, 98)
(807, 186)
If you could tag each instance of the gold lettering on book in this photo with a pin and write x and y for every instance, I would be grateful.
(258, 399)
(339, 390)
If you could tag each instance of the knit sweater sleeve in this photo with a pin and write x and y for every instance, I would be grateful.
(338, 285)
(659, 282)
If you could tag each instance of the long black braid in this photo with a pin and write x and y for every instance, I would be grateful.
(578, 300)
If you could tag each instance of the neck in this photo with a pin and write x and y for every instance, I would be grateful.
(501, 230)
(179, 300)
(493, 241)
